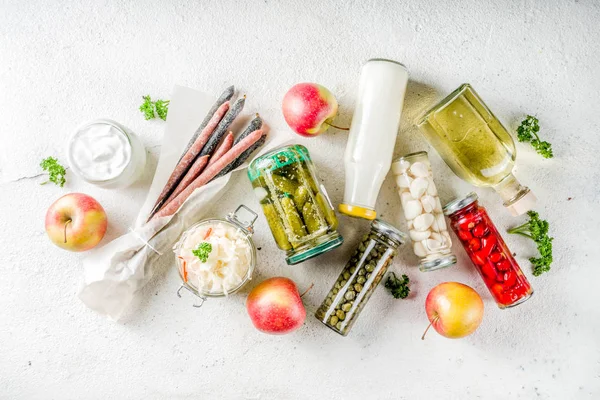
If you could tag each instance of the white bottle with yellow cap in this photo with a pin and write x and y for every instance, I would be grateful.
(373, 132)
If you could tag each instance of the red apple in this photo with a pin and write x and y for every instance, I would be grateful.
(308, 108)
(275, 306)
(454, 310)
(76, 222)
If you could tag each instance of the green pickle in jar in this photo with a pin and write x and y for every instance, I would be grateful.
(360, 276)
(298, 211)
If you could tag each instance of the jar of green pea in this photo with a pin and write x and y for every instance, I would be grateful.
(360, 276)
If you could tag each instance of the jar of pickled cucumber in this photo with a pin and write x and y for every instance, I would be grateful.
(295, 203)
(360, 277)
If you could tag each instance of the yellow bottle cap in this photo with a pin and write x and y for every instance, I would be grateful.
(358, 212)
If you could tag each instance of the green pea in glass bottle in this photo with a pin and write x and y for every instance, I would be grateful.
(476, 146)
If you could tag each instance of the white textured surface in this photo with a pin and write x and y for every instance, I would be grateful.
(63, 63)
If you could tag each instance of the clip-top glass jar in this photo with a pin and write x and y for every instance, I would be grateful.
(360, 277)
(423, 211)
(216, 257)
(488, 252)
(295, 204)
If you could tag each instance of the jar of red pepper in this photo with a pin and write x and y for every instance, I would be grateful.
(486, 249)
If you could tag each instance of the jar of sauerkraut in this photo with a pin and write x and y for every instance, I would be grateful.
(216, 257)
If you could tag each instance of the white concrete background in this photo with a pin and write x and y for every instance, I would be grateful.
(62, 63)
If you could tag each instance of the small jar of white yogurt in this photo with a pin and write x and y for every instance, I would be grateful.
(216, 257)
(105, 153)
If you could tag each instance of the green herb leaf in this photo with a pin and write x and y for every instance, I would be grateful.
(537, 230)
(56, 172)
(528, 132)
(398, 287)
(203, 251)
(153, 108)
(162, 108)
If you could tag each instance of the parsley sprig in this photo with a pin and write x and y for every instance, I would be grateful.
(203, 251)
(152, 109)
(398, 287)
(528, 132)
(56, 172)
(537, 230)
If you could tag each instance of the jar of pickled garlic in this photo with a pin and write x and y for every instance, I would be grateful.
(295, 203)
(423, 211)
(488, 252)
(360, 276)
(217, 257)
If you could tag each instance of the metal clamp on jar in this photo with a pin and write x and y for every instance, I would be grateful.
(360, 277)
(296, 205)
(216, 257)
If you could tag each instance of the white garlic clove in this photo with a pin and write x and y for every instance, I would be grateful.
(405, 197)
(441, 221)
(400, 167)
(431, 189)
(403, 181)
(419, 249)
(437, 236)
(419, 169)
(438, 205)
(432, 245)
(428, 203)
(418, 187)
(447, 237)
(423, 222)
(417, 236)
(412, 209)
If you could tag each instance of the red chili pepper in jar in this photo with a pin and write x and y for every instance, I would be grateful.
(487, 250)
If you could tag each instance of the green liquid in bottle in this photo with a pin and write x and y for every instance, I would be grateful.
(475, 145)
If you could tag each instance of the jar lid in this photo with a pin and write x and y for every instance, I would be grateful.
(389, 230)
(278, 158)
(459, 203)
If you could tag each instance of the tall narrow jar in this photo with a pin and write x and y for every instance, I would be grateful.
(423, 211)
(476, 146)
(488, 252)
(372, 137)
(359, 278)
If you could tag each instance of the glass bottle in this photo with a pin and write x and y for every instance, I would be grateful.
(488, 252)
(295, 203)
(423, 211)
(372, 136)
(476, 146)
(359, 278)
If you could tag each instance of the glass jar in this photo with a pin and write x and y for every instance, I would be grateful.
(423, 211)
(105, 153)
(296, 205)
(476, 146)
(488, 252)
(219, 262)
(359, 278)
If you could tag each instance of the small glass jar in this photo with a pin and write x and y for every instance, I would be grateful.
(296, 205)
(359, 278)
(242, 221)
(105, 153)
(488, 252)
(423, 211)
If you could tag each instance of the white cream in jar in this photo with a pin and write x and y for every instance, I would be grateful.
(104, 153)
(223, 269)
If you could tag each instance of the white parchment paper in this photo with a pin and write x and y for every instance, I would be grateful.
(114, 272)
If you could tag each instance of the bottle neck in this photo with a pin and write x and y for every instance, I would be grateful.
(510, 190)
